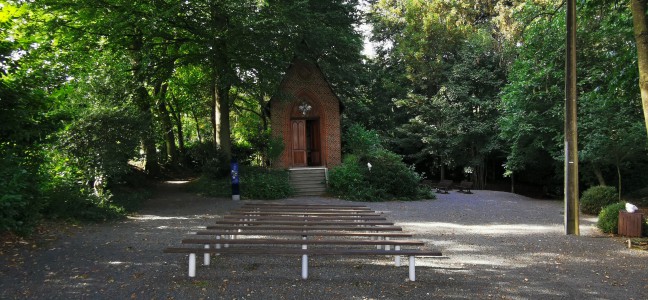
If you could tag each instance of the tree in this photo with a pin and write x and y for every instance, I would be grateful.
(640, 25)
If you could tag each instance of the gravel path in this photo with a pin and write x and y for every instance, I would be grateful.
(499, 245)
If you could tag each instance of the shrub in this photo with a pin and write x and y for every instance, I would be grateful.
(209, 160)
(260, 183)
(608, 220)
(388, 179)
(361, 141)
(72, 202)
(19, 194)
(597, 197)
(255, 183)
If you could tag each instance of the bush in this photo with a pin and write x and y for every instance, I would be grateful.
(209, 160)
(389, 179)
(255, 183)
(72, 202)
(597, 197)
(260, 183)
(19, 193)
(608, 220)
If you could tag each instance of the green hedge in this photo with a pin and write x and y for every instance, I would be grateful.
(608, 220)
(597, 197)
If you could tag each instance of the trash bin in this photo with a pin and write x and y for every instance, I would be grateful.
(630, 224)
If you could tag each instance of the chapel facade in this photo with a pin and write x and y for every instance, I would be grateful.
(305, 113)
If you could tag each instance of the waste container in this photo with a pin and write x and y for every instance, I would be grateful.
(630, 224)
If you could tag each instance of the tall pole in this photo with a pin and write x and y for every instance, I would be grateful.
(571, 136)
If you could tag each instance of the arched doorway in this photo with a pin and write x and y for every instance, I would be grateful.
(305, 132)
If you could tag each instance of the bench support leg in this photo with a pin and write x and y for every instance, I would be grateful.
(397, 259)
(192, 264)
(218, 245)
(304, 266)
(304, 261)
(412, 268)
(206, 257)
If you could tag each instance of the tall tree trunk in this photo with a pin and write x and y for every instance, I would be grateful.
(640, 26)
(225, 142)
(599, 176)
(220, 118)
(618, 167)
(167, 125)
(193, 113)
(215, 117)
(143, 101)
(177, 118)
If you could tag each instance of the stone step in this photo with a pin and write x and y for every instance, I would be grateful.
(308, 181)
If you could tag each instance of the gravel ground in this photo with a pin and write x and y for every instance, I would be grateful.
(499, 245)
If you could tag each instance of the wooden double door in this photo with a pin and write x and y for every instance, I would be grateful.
(306, 143)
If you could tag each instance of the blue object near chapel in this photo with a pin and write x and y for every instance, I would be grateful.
(234, 173)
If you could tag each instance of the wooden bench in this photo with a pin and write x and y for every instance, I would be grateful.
(307, 228)
(308, 233)
(305, 223)
(273, 205)
(346, 226)
(302, 213)
(443, 186)
(465, 186)
(410, 253)
(304, 218)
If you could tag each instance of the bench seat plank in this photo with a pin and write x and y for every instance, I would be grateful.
(304, 223)
(307, 218)
(303, 242)
(304, 213)
(309, 233)
(307, 228)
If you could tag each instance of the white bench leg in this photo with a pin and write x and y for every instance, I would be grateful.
(379, 238)
(397, 260)
(206, 257)
(192, 264)
(304, 261)
(412, 268)
(218, 245)
(387, 247)
(304, 266)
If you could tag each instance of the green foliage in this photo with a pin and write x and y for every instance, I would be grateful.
(261, 183)
(608, 219)
(102, 142)
(206, 158)
(220, 187)
(20, 202)
(71, 202)
(360, 141)
(347, 180)
(255, 183)
(275, 149)
(596, 198)
(388, 179)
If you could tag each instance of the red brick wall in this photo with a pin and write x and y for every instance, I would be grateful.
(305, 81)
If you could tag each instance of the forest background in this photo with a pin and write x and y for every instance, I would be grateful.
(93, 91)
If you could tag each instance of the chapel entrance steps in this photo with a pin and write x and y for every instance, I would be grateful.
(309, 181)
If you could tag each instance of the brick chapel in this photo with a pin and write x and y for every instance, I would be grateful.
(306, 114)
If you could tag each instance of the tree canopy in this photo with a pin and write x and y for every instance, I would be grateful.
(466, 90)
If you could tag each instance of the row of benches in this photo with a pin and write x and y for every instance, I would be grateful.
(318, 229)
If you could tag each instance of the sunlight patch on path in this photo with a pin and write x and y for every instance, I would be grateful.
(485, 229)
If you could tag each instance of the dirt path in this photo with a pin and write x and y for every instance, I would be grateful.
(500, 246)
